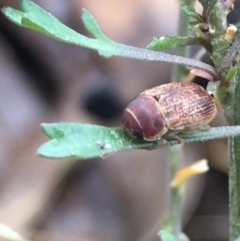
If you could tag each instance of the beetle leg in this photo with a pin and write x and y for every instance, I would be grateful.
(179, 139)
(172, 135)
(161, 140)
(205, 128)
(182, 141)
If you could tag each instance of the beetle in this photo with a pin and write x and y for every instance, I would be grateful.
(169, 109)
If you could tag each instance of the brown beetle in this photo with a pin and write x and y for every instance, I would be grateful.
(168, 109)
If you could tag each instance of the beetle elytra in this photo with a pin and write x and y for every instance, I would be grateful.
(169, 109)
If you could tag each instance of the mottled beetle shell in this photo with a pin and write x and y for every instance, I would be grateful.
(168, 109)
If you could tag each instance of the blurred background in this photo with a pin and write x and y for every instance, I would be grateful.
(124, 197)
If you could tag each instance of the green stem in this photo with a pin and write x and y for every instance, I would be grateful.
(229, 95)
(180, 71)
(234, 187)
(182, 62)
(176, 210)
(234, 164)
(173, 222)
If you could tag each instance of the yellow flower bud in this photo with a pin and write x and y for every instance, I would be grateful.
(184, 174)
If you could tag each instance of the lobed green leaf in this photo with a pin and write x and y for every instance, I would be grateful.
(85, 141)
(36, 18)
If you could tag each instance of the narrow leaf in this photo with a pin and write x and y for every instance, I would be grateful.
(231, 73)
(92, 26)
(162, 43)
(190, 11)
(36, 18)
(84, 141)
(13, 15)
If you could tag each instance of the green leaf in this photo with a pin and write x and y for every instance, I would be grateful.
(162, 43)
(36, 18)
(84, 141)
(92, 26)
(167, 236)
(231, 73)
(40, 20)
(13, 15)
(190, 11)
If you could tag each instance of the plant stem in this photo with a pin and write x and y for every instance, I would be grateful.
(229, 95)
(145, 54)
(234, 187)
(234, 163)
(225, 56)
(173, 222)
(180, 71)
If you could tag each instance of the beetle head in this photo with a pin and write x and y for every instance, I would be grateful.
(142, 119)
